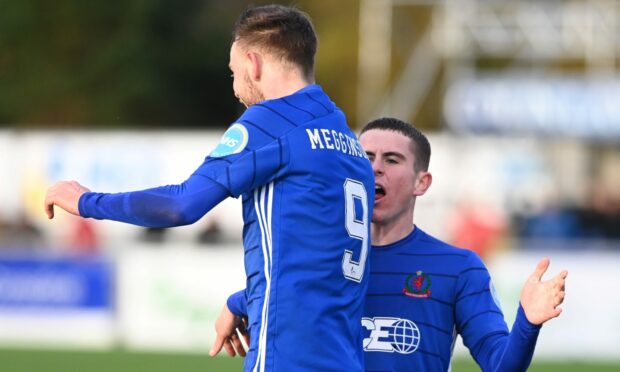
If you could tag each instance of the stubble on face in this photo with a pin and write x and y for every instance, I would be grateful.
(252, 94)
(245, 90)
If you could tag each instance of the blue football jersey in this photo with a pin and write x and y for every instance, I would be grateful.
(307, 191)
(422, 293)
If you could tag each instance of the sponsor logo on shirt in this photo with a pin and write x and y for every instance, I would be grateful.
(391, 335)
(233, 141)
(418, 285)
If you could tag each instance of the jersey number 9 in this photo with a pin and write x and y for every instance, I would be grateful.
(356, 228)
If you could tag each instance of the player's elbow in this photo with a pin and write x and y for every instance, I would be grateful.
(174, 214)
(187, 219)
(180, 216)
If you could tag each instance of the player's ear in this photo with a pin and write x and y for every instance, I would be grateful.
(423, 181)
(255, 65)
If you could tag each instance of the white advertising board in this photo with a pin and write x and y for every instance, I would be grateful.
(169, 299)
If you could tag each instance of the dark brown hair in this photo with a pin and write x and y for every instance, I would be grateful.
(285, 31)
(420, 146)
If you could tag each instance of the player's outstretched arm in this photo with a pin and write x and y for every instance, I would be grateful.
(541, 299)
(539, 303)
(66, 195)
(485, 332)
(164, 206)
(228, 327)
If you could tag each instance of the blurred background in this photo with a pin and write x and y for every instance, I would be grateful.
(520, 99)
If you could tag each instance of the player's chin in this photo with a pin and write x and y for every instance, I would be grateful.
(377, 215)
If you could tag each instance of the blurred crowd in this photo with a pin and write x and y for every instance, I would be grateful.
(477, 227)
(598, 218)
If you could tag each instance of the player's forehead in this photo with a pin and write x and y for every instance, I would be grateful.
(380, 141)
(235, 52)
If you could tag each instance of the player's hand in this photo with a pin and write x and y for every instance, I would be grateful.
(540, 299)
(228, 328)
(66, 195)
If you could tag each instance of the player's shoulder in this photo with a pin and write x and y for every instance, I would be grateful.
(306, 104)
(281, 115)
(260, 119)
(274, 121)
(437, 245)
(254, 129)
(465, 258)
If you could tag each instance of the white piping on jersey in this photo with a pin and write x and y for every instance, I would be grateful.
(264, 221)
(454, 334)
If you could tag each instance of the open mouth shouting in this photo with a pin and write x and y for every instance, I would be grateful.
(379, 192)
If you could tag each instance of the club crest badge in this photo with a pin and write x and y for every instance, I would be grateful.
(418, 285)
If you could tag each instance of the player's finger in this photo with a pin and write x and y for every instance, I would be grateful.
(243, 328)
(229, 348)
(242, 325)
(541, 268)
(234, 340)
(561, 276)
(217, 345)
(559, 298)
(49, 210)
(241, 352)
(560, 283)
(246, 336)
(237, 344)
(48, 205)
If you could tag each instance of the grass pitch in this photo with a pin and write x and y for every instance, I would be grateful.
(28, 360)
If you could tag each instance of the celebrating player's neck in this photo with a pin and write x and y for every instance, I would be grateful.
(390, 231)
(281, 79)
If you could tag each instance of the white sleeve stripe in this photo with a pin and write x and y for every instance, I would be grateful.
(264, 220)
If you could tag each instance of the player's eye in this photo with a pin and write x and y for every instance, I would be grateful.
(392, 161)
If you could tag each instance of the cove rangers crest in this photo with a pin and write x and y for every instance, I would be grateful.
(418, 285)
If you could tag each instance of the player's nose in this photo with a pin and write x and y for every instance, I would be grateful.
(377, 166)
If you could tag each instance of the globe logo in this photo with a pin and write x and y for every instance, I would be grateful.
(405, 335)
